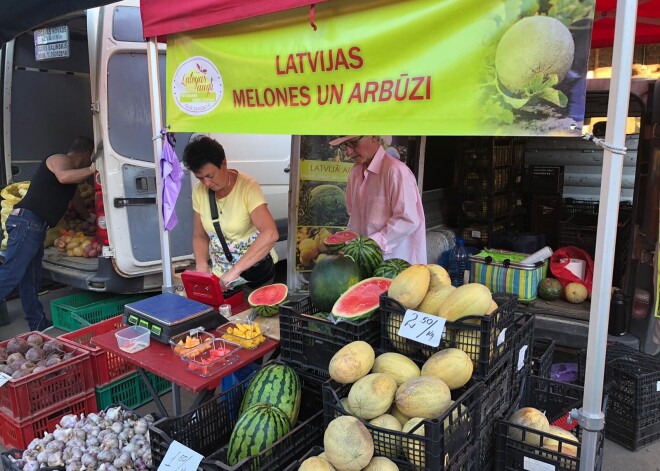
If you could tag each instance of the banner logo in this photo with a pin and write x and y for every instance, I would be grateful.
(197, 86)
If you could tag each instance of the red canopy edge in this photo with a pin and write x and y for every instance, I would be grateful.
(648, 23)
(163, 17)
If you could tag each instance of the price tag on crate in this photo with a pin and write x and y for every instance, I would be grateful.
(521, 357)
(180, 458)
(423, 328)
(4, 378)
(530, 464)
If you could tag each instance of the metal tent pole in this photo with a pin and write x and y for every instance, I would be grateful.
(590, 416)
(156, 126)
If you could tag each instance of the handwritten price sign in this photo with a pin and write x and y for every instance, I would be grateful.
(180, 458)
(422, 327)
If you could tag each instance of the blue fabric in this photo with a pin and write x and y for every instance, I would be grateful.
(26, 233)
(172, 175)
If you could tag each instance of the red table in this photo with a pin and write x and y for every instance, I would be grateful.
(160, 360)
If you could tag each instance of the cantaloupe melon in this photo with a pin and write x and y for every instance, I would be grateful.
(434, 298)
(386, 444)
(569, 442)
(395, 412)
(372, 395)
(531, 418)
(426, 396)
(472, 299)
(398, 366)
(348, 444)
(381, 463)
(439, 276)
(414, 448)
(575, 293)
(493, 307)
(314, 463)
(352, 362)
(344, 404)
(410, 286)
(451, 365)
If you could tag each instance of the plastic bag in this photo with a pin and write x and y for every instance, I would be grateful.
(561, 258)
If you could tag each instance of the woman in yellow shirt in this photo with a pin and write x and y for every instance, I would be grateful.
(245, 221)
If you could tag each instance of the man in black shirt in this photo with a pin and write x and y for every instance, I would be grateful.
(51, 189)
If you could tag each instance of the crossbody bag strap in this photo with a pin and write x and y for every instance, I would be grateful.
(216, 224)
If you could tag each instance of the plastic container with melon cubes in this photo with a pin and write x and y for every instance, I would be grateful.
(211, 361)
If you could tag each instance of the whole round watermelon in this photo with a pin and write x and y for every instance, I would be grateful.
(367, 254)
(257, 428)
(550, 289)
(391, 268)
(330, 278)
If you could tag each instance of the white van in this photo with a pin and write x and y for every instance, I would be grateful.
(102, 90)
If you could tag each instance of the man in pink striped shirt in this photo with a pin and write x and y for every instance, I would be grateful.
(383, 201)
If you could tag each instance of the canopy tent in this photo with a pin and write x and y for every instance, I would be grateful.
(162, 17)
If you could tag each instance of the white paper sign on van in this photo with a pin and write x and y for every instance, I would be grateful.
(52, 43)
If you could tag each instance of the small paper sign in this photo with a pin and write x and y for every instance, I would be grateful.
(657, 386)
(180, 458)
(4, 378)
(423, 328)
(530, 464)
(501, 337)
(521, 357)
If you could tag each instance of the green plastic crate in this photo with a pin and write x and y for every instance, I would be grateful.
(4, 315)
(84, 309)
(130, 391)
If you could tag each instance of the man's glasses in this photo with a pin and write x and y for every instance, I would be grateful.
(353, 143)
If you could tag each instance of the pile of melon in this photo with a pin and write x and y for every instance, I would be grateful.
(390, 392)
(532, 418)
(428, 289)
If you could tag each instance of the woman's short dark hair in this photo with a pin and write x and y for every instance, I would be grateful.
(203, 150)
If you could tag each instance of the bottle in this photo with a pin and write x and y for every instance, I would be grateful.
(458, 263)
(618, 313)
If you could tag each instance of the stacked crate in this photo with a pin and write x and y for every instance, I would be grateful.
(115, 379)
(633, 409)
(33, 404)
(489, 187)
(543, 187)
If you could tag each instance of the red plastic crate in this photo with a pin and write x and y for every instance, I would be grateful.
(106, 366)
(19, 433)
(24, 397)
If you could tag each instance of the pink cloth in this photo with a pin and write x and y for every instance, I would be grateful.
(384, 203)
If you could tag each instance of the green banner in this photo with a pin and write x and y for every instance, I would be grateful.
(417, 67)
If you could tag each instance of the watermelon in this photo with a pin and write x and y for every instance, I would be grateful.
(361, 300)
(391, 268)
(330, 278)
(266, 300)
(367, 254)
(337, 240)
(277, 385)
(550, 289)
(258, 428)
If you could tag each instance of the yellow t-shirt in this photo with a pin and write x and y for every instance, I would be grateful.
(234, 217)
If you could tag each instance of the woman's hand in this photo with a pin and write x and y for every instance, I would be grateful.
(202, 267)
(228, 278)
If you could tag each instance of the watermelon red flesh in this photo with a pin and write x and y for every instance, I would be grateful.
(278, 385)
(361, 300)
(338, 239)
(267, 299)
(258, 428)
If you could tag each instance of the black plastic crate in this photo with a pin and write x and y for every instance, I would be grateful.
(485, 340)
(545, 217)
(444, 441)
(544, 179)
(207, 430)
(479, 233)
(312, 341)
(485, 207)
(555, 399)
(543, 352)
(522, 341)
(497, 393)
(486, 441)
(626, 431)
(314, 451)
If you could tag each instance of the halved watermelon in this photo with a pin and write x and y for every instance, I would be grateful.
(267, 299)
(361, 300)
(337, 240)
